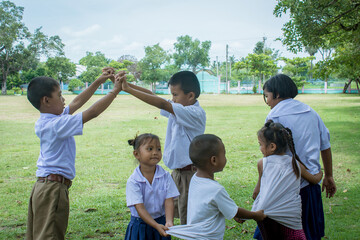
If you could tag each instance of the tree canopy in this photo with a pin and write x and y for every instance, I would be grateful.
(19, 49)
(191, 53)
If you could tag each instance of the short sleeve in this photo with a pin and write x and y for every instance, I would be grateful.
(324, 135)
(68, 125)
(172, 191)
(133, 193)
(192, 117)
(226, 205)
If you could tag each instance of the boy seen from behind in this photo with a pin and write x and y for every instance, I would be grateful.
(209, 204)
(49, 201)
(186, 121)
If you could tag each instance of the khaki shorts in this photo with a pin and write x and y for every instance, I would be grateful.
(182, 181)
(48, 211)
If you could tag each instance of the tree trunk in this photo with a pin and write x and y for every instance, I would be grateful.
(3, 83)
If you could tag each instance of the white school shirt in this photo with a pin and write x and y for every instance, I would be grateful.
(139, 190)
(187, 123)
(279, 192)
(208, 206)
(57, 143)
(309, 132)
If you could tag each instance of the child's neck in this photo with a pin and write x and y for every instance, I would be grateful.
(204, 174)
(148, 172)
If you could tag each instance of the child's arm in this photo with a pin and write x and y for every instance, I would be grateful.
(257, 187)
(147, 96)
(243, 214)
(146, 217)
(169, 212)
(313, 179)
(85, 95)
(97, 108)
(328, 181)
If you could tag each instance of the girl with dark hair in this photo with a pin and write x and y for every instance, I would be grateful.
(150, 192)
(277, 191)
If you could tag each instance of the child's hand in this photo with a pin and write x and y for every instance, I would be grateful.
(239, 220)
(169, 224)
(259, 215)
(161, 229)
(108, 73)
(118, 83)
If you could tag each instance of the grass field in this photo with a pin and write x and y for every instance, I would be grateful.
(104, 161)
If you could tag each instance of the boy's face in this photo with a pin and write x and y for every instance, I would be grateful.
(221, 157)
(178, 96)
(56, 103)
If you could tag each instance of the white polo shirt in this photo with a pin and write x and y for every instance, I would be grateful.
(309, 131)
(139, 190)
(57, 143)
(187, 123)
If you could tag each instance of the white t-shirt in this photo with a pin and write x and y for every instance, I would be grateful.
(208, 206)
(279, 192)
(187, 123)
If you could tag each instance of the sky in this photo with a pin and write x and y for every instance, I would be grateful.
(117, 27)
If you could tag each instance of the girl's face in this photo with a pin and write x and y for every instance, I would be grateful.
(269, 99)
(266, 149)
(149, 153)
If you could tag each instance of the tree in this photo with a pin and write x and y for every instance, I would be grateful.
(94, 60)
(19, 49)
(75, 83)
(152, 63)
(191, 53)
(133, 68)
(297, 68)
(319, 23)
(60, 68)
(323, 24)
(94, 64)
(257, 65)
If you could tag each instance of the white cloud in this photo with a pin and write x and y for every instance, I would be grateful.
(81, 33)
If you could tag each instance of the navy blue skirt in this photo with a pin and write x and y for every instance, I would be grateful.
(312, 212)
(139, 230)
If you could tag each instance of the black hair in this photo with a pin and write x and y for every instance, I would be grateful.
(40, 87)
(188, 82)
(282, 137)
(202, 148)
(141, 139)
(281, 86)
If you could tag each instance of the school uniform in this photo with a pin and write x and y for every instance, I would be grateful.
(186, 123)
(153, 196)
(49, 202)
(279, 198)
(310, 137)
(208, 206)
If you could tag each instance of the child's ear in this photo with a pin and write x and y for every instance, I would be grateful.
(272, 147)
(191, 96)
(213, 160)
(136, 154)
(44, 100)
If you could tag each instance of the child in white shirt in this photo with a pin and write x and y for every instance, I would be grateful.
(209, 203)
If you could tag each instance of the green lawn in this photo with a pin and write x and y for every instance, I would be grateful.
(104, 161)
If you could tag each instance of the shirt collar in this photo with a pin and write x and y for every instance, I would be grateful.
(289, 107)
(159, 172)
